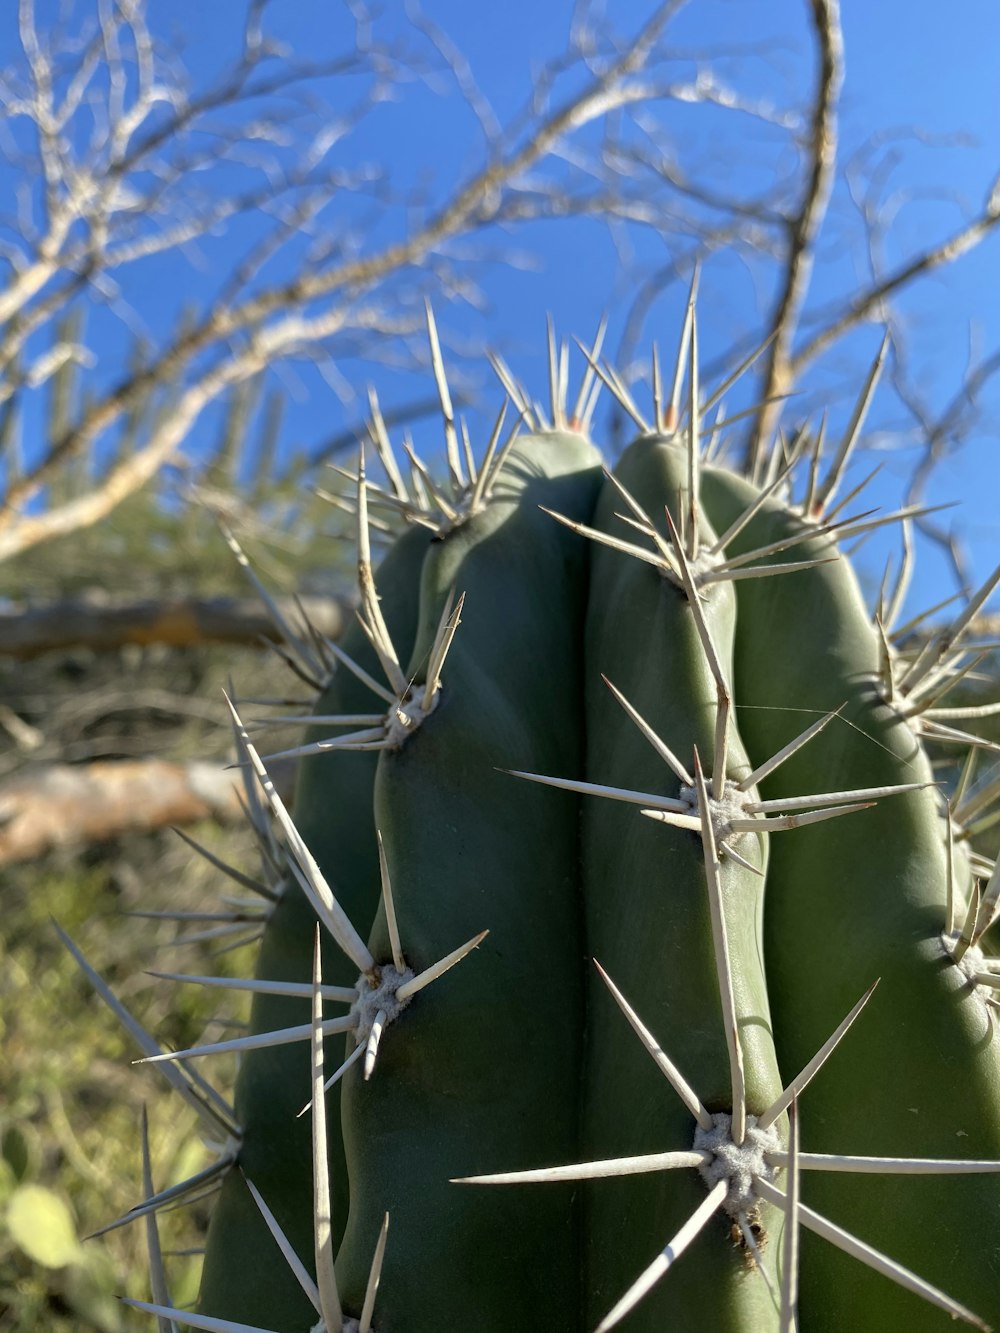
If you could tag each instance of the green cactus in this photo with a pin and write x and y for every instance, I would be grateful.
(591, 742)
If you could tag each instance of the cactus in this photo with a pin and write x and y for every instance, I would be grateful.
(618, 861)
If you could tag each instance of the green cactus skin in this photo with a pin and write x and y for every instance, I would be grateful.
(333, 811)
(519, 1058)
(484, 1065)
(855, 900)
(648, 924)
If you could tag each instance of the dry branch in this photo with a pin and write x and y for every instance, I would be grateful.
(102, 626)
(64, 806)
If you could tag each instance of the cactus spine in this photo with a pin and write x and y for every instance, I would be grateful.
(645, 722)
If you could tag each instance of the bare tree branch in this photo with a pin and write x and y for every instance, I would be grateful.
(779, 373)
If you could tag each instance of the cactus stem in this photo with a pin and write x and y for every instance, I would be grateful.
(722, 959)
(666, 1066)
(295, 989)
(701, 1216)
(889, 1268)
(805, 1076)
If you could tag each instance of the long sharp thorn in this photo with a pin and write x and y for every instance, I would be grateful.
(513, 390)
(337, 1075)
(295, 642)
(468, 455)
(810, 504)
(429, 974)
(379, 437)
(830, 516)
(770, 765)
(157, 1273)
(373, 1043)
(805, 1076)
(965, 940)
(867, 1254)
(185, 1191)
(666, 1066)
(944, 642)
(663, 547)
(212, 1109)
(949, 900)
(890, 1166)
(485, 476)
(615, 543)
(444, 394)
(617, 1166)
(660, 746)
(326, 1280)
(722, 960)
(903, 578)
(790, 1259)
(705, 1211)
(850, 438)
(988, 907)
(680, 367)
(613, 793)
(833, 798)
(658, 419)
(374, 1277)
(616, 388)
(584, 405)
(248, 882)
(399, 962)
(738, 373)
(299, 1270)
(751, 511)
(451, 618)
(777, 823)
(371, 619)
(550, 343)
(312, 880)
(255, 1042)
(694, 445)
(300, 989)
(191, 1319)
(723, 699)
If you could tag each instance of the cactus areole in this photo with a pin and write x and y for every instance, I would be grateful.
(632, 965)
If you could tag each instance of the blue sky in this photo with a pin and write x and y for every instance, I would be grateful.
(906, 67)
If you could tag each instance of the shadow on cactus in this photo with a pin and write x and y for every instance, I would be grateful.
(617, 857)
